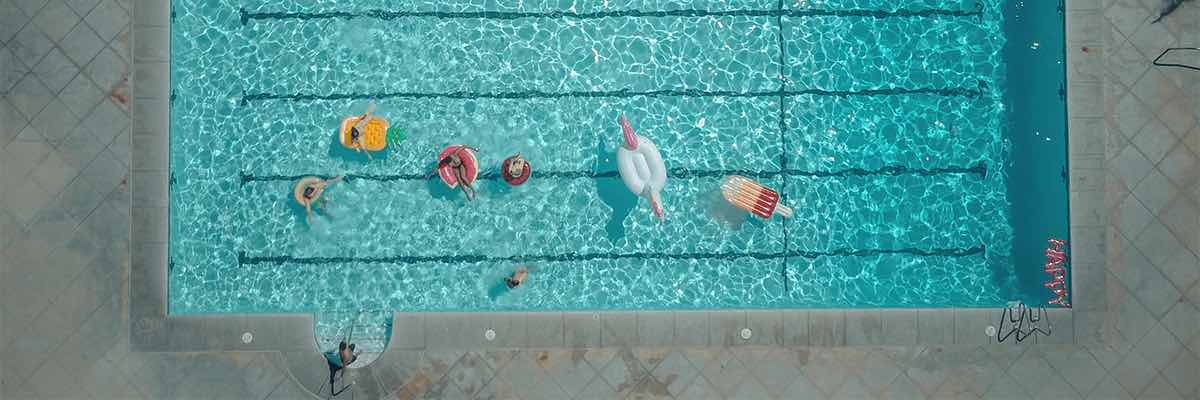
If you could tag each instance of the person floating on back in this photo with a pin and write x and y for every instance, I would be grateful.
(308, 190)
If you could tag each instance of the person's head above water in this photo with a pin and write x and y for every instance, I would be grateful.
(517, 166)
(517, 278)
(515, 170)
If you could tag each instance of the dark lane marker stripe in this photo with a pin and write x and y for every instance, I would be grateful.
(536, 94)
(379, 14)
(979, 170)
(244, 260)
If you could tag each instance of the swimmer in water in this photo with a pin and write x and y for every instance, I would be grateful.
(309, 190)
(517, 277)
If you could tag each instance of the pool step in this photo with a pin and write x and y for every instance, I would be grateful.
(369, 331)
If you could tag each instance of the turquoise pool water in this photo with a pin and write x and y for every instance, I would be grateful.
(888, 126)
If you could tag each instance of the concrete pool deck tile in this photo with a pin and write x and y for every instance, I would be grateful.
(864, 327)
(795, 328)
(1088, 287)
(725, 327)
(1088, 245)
(1062, 322)
(152, 44)
(899, 327)
(146, 143)
(970, 325)
(1087, 174)
(619, 329)
(1085, 27)
(307, 369)
(151, 189)
(827, 328)
(691, 328)
(545, 329)
(148, 279)
(149, 222)
(1087, 209)
(582, 329)
(767, 328)
(1087, 99)
(455, 330)
(152, 13)
(935, 327)
(281, 332)
(512, 330)
(190, 334)
(1087, 138)
(151, 115)
(408, 331)
(655, 328)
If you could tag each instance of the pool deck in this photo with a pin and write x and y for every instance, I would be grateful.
(84, 128)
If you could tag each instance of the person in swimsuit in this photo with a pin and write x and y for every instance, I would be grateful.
(338, 361)
(517, 277)
(356, 131)
(455, 162)
(309, 190)
(515, 170)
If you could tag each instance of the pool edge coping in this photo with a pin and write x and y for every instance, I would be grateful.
(151, 329)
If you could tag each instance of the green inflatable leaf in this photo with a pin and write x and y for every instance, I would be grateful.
(396, 135)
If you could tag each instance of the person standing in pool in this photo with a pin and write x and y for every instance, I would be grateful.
(308, 190)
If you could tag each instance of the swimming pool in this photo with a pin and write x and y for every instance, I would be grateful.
(892, 127)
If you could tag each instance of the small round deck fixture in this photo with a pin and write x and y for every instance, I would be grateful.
(990, 331)
(489, 334)
(747, 333)
(247, 337)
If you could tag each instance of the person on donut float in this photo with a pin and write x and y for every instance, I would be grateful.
(515, 170)
(641, 167)
(309, 190)
(458, 167)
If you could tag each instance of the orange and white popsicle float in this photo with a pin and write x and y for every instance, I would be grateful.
(757, 199)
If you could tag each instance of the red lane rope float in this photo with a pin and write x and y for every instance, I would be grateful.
(1055, 259)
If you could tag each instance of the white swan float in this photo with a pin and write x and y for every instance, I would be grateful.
(641, 167)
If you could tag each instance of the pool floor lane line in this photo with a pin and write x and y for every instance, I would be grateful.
(247, 16)
(968, 92)
(244, 260)
(783, 153)
(980, 170)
